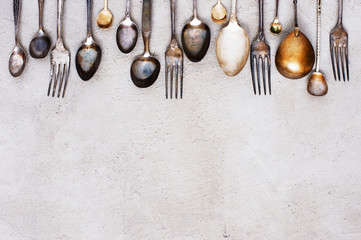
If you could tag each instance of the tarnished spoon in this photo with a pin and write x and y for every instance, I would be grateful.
(196, 37)
(105, 17)
(145, 69)
(127, 32)
(233, 45)
(276, 26)
(89, 54)
(18, 57)
(219, 13)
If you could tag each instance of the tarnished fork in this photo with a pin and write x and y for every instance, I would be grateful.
(339, 47)
(59, 61)
(261, 55)
(174, 64)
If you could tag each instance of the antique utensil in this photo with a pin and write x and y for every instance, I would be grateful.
(40, 44)
(219, 13)
(59, 60)
(261, 55)
(295, 55)
(145, 69)
(105, 17)
(232, 45)
(276, 26)
(174, 62)
(339, 47)
(196, 37)
(317, 85)
(18, 56)
(89, 54)
(127, 32)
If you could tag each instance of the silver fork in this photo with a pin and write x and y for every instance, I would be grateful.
(339, 47)
(261, 52)
(59, 60)
(174, 63)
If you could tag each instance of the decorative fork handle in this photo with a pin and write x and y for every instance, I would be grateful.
(17, 9)
(318, 50)
(173, 18)
(146, 23)
(261, 27)
(340, 12)
(60, 18)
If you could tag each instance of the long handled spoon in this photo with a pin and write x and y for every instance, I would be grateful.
(219, 13)
(127, 33)
(105, 17)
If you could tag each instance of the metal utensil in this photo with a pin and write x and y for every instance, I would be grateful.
(127, 32)
(232, 45)
(18, 56)
(261, 54)
(276, 26)
(59, 60)
(89, 54)
(145, 69)
(317, 85)
(219, 13)
(105, 17)
(174, 62)
(339, 47)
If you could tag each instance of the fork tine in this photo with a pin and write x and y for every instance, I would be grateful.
(253, 77)
(347, 63)
(171, 81)
(181, 78)
(56, 78)
(61, 80)
(269, 74)
(258, 75)
(66, 78)
(333, 61)
(264, 75)
(166, 81)
(338, 63)
(51, 78)
(342, 56)
(176, 80)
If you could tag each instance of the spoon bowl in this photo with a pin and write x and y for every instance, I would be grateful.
(40, 45)
(127, 33)
(145, 71)
(317, 85)
(88, 59)
(105, 18)
(17, 61)
(276, 26)
(219, 13)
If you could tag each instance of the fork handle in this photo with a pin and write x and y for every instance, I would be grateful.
(261, 27)
(173, 17)
(340, 12)
(17, 9)
(60, 18)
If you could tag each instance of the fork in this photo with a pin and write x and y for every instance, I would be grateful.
(59, 60)
(339, 47)
(174, 63)
(260, 52)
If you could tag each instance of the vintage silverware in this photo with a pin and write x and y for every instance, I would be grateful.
(127, 33)
(89, 54)
(59, 60)
(339, 47)
(105, 17)
(295, 55)
(18, 56)
(196, 37)
(276, 26)
(232, 45)
(317, 85)
(174, 62)
(219, 13)
(145, 69)
(40, 44)
(261, 56)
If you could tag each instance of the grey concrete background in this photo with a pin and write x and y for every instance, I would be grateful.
(111, 161)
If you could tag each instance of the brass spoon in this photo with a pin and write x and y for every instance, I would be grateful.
(317, 85)
(295, 56)
(196, 37)
(89, 54)
(40, 44)
(127, 32)
(219, 13)
(18, 56)
(145, 69)
(276, 26)
(105, 17)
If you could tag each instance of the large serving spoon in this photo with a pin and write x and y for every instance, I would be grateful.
(18, 57)
(105, 17)
(295, 56)
(145, 69)
(40, 44)
(232, 45)
(196, 37)
(127, 32)
(317, 85)
(219, 13)
(89, 54)
(276, 26)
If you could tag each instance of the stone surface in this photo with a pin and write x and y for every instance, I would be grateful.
(112, 161)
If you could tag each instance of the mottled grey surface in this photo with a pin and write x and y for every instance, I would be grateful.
(114, 162)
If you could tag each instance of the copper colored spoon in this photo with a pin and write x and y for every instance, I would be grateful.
(219, 13)
(105, 17)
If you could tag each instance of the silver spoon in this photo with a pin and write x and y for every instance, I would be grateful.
(89, 54)
(40, 45)
(127, 32)
(18, 57)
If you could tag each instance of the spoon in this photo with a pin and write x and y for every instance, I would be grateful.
(276, 26)
(127, 32)
(18, 57)
(232, 46)
(295, 56)
(317, 85)
(89, 54)
(145, 69)
(196, 37)
(40, 44)
(105, 17)
(219, 13)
